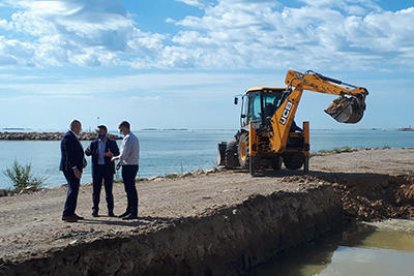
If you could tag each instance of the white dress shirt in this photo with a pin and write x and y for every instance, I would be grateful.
(129, 150)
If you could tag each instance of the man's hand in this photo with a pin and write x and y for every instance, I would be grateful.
(109, 154)
(114, 158)
(77, 173)
(118, 166)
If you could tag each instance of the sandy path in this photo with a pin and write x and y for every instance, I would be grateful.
(30, 223)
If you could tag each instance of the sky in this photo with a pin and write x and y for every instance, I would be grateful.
(179, 63)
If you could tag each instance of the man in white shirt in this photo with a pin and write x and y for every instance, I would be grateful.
(129, 161)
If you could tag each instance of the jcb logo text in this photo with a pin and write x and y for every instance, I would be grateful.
(286, 112)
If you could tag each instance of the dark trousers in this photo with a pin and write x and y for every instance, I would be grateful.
(102, 172)
(129, 173)
(72, 194)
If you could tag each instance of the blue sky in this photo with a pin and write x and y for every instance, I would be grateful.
(178, 63)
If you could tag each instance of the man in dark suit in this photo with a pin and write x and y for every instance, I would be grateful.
(102, 150)
(72, 164)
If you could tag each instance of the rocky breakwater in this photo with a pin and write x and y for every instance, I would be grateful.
(45, 136)
(222, 241)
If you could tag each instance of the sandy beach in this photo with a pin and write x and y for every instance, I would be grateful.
(31, 222)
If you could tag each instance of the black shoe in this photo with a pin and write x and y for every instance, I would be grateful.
(70, 218)
(95, 214)
(130, 216)
(111, 214)
(127, 213)
(78, 217)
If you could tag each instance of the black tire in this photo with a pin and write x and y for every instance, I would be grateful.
(231, 159)
(293, 161)
(243, 151)
(276, 163)
(221, 153)
(254, 166)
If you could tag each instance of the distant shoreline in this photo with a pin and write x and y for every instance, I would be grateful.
(406, 129)
(46, 136)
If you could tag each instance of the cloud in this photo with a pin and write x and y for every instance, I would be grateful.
(89, 33)
(318, 34)
(230, 34)
(195, 3)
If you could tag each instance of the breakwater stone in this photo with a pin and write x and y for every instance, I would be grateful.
(46, 136)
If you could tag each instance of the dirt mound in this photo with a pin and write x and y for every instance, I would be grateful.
(371, 197)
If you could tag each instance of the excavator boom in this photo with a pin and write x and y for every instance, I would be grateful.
(348, 108)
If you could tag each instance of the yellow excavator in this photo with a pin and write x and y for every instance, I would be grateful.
(269, 135)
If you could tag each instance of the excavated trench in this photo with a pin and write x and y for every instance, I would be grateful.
(232, 240)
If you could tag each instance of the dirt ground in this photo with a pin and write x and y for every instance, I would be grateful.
(375, 184)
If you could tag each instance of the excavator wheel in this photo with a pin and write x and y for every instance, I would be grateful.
(221, 153)
(293, 161)
(349, 110)
(231, 159)
(254, 165)
(243, 150)
(276, 163)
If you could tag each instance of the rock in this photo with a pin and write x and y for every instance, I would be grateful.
(3, 192)
(221, 168)
(29, 189)
(188, 174)
(155, 178)
(210, 171)
(171, 176)
(47, 136)
(198, 172)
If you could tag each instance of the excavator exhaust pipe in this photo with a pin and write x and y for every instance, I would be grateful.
(349, 110)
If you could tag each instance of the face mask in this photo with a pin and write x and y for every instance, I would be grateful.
(102, 136)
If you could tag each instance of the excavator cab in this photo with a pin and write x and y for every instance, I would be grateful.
(259, 104)
(258, 107)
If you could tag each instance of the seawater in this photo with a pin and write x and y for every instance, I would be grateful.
(168, 151)
(378, 249)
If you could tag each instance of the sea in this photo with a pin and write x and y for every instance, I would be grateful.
(165, 151)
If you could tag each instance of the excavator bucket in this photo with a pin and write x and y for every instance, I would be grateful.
(349, 110)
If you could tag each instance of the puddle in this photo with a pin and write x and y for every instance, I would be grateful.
(385, 248)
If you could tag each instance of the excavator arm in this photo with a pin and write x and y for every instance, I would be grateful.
(316, 82)
(344, 109)
(348, 108)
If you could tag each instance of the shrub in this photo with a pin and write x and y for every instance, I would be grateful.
(21, 176)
